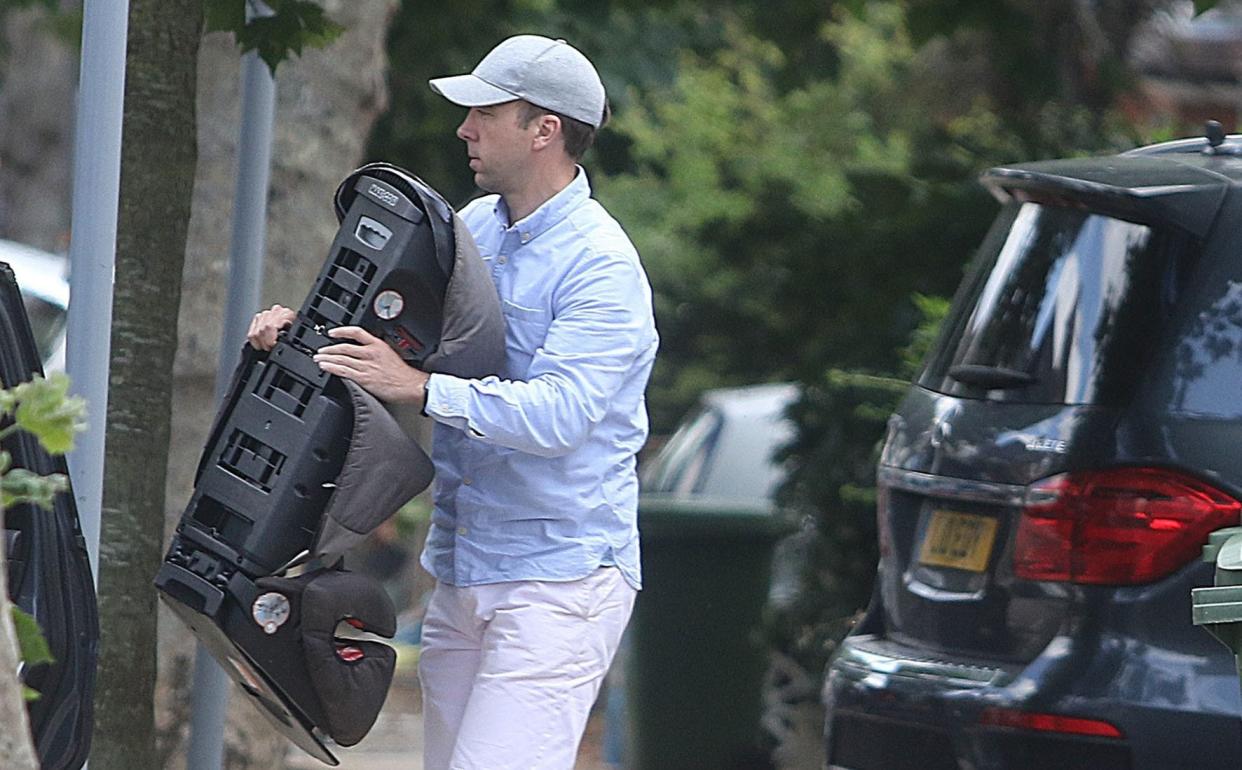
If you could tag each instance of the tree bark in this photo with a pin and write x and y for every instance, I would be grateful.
(16, 748)
(158, 158)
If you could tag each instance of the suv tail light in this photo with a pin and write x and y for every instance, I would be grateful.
(1118, 526)
(994, 716)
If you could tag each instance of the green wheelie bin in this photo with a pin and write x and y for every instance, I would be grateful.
(696, 656)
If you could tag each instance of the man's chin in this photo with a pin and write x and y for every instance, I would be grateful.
(482, 182)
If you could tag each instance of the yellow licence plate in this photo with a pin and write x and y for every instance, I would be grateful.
(958, 540)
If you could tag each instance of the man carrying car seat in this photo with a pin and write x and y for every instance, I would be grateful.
(534, 539)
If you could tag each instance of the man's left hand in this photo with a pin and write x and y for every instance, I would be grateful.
(373, 365)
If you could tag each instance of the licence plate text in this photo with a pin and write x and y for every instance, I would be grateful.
(958, 540)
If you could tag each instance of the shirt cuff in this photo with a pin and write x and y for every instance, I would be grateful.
(447, 397)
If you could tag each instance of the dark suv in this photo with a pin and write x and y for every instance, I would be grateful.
(1048, 481)
(49, 575)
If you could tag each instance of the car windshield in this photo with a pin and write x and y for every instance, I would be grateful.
(1060, 301)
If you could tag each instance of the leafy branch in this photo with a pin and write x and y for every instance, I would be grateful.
(289, 27)
(44, 409)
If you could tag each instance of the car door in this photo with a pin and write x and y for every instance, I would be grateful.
(49, 572)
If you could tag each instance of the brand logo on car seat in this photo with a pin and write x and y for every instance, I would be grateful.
(1046, 445)
(386, 197)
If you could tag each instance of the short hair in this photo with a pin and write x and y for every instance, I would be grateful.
(579, 136)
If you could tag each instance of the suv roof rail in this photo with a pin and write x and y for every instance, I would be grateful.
(1213, 142)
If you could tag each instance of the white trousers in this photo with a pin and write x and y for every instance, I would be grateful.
(509, 671)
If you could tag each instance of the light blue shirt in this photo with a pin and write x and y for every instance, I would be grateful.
(535, 469)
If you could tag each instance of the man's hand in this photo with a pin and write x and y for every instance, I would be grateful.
(266, 324)
(373, 365)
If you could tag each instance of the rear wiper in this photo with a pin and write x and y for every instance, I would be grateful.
(989, 377)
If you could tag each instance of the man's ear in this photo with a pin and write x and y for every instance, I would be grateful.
(547, 131)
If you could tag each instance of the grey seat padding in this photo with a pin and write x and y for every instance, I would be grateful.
(472, 341)
(351, 688)
(384, 468)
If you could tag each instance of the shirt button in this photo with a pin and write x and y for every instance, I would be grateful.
(502, 260)
(463, 531)
(525, 237)
(467, 481)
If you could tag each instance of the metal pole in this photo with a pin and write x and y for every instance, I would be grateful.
(92, 245)
(254, 155)
(254, 161)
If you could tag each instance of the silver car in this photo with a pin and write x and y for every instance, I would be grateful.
(44, 281)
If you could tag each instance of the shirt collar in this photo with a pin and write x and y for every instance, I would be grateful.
(551, 211)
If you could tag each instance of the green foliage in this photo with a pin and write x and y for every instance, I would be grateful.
(32, 647)
(292, 26)
(841, 420)
(635, 45)
(19, 485)
(44, 408)
(784, 227)
(933, 311)
(1050, 72)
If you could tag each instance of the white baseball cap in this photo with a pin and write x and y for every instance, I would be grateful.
(548, 73)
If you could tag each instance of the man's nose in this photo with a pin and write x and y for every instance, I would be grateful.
(464, 130)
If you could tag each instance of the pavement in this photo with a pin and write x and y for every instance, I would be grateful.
(396, 740)
(394, 743)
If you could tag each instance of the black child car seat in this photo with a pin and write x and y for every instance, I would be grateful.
(302, 465)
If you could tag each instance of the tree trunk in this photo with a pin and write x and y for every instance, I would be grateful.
(327, 101)
(16, 749)
(158, 159)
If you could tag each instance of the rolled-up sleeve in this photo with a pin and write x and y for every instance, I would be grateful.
(601, 323)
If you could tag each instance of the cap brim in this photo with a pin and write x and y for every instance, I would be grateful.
(470, 91)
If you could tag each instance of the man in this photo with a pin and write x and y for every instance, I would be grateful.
(534, 540)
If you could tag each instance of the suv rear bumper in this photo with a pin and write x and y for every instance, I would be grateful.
(895, 707)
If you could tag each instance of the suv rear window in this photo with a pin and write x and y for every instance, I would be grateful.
(1061, 303)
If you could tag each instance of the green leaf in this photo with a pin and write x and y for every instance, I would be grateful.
(293, 26)
(30, 642)
(47, 411)
(32, 647)
(20, 485)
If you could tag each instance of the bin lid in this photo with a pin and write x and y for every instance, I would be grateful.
(665, 516)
